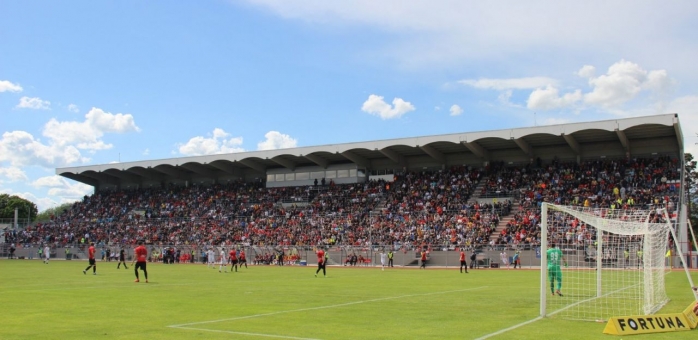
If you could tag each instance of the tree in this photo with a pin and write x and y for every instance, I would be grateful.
(27, 210)
(46, 214)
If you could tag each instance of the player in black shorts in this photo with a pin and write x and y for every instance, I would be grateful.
(141, 255)
(242, 259)
(91, 256)
(122, 259)
(233, 259)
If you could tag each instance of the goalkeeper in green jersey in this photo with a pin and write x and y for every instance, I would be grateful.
(555, 257)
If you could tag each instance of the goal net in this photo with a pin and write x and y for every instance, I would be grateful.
(602, 263)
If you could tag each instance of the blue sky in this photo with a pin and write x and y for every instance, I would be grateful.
(94, 82)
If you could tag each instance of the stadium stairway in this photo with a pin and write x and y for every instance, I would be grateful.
(477, 192)
(504, 220)
(380, 207)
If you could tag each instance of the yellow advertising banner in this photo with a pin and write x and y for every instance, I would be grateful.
(691, 316)
(643, 324)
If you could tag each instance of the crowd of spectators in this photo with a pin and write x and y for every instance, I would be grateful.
(616, 185)
(434, 208)
(417, 208)
(275, 258)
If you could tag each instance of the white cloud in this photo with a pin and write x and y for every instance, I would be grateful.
(217, 144)
(623, 82)
(34, 103)
(505, 98)
(587, 71)
(61, 187)
(424, 33)
(44, 203)
(455, 110)
(65, 139)
(507, 84)
(60, 191)
(107, 122)
(276, 140)
(687, 108)
(555, 121)
(146, 152)
(49, 182)
(71, 192)
(14, 174)
(658, 81)
(7, 86)
(19, 148)
(549, 99)
(73, 108)
(375, 105)
(87, 134)
(437, 108)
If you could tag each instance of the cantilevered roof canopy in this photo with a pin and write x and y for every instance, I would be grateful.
(634, 137)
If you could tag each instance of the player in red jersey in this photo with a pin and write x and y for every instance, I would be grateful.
(91, 257)
(462, 261)
(140, 260)
(320, 262)
(232, 256)
(242, 259)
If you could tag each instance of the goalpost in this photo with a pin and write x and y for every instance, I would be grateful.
(617, 269)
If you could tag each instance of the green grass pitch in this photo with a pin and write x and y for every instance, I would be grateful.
(184, 301)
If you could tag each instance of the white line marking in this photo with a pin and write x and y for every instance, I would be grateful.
(320, 307)
(245, 333)
(510, 328)
(590, 299)
(39, 285)
(551, 314)
(125, 285)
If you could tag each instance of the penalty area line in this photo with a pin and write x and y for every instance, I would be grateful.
(551, 314)
(321, 307)
(510, 328)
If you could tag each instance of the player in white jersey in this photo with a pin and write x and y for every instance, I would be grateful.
(223, 261)
(211, 258)
(505, 258)
(384, 259)
(47, 254)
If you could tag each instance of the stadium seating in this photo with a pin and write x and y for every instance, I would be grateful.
(418, 208)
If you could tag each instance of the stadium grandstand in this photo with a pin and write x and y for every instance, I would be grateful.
(356, 162)
(475, 190)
